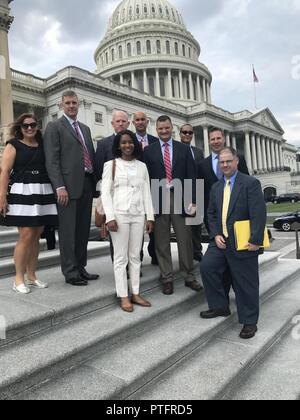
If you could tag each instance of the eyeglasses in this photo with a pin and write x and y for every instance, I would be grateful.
(226, 162)
(187, 133)
(27, 126)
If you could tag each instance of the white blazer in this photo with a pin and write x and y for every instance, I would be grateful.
(117, 197)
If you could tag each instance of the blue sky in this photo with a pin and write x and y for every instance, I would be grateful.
(234, 34)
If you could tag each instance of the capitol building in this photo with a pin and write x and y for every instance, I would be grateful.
(148, 60)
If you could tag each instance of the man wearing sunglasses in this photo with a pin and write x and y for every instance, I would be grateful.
(186, 136)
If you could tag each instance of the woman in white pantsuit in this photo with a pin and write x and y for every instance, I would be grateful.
(127, 203)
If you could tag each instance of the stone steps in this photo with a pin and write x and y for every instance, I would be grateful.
(7, 249)
(115, 354)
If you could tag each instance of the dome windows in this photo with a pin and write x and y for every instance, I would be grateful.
(168, 47)
(183, 50)
(158, 47)
(138, 10)
(153, 9)
(145, 9)
(148, 45)
(112, 55)
(120, 52)
(129, 50)
(176, 48)
(138, 48)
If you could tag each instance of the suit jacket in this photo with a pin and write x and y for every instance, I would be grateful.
(199, 155)
(206, 172)
(104, 153)
(151, 140)
(183, 167)
(246, 203)
(64, 157)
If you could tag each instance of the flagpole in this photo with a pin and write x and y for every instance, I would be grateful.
(255, 80)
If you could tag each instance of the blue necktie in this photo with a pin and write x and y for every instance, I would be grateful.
(219, 172)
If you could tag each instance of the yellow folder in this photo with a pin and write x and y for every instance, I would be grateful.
(242, 235)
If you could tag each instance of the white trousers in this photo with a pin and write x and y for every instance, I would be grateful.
(128, 242)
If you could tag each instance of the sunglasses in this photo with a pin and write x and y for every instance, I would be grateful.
(27, 126)
(187, 133)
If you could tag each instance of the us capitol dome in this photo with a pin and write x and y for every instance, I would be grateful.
(148, 47)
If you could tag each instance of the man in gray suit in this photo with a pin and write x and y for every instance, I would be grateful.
(70, 162)
(120, 122)
(186, 136)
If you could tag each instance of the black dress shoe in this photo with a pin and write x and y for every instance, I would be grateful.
(77, 281)
(248, 331)
(194, 285)
(168, 288)
(215, 313)
(86, 276)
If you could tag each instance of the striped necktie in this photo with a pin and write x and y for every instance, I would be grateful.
(86, 156)
(226, 201)
(168, 165)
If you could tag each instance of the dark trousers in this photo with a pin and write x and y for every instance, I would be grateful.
(197, 240)
(74, 230)
(245, 281)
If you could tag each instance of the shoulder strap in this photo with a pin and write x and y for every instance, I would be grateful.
(114, 166)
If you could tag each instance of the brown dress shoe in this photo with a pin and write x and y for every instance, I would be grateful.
(126, 305)
(194, 285)
(168, 288)
(138, 300)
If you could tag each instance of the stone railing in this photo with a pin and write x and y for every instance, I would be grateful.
(18, 76)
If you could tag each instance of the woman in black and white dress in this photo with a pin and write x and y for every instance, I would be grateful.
(27, 200)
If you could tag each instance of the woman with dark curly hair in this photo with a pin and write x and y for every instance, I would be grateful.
(27, 199)
(127, 203)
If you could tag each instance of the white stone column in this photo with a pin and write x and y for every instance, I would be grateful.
(170, 90)
(253, 150)
(234, 145)
(273, 154)
(208, 93)
(6, 102)
(122, 79)
(259, 153)
(264, 154)
(269, 156)
(248, 152)
(146, 83)
(281, 156)
(191, 86)
(277, 155)
(204, 89)
(157, 83)
(228, 139)
(206, 142)
(176, 84)
(200, 99)
(133, 82)
(181, 85)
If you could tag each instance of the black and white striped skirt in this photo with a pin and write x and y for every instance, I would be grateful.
(31, 202)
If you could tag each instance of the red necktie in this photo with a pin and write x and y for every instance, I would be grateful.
(86, 156)
(168, 165)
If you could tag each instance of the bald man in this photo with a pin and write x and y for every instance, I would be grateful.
(141, 123)
(120, 122)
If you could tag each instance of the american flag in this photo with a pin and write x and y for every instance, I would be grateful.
(255, 78)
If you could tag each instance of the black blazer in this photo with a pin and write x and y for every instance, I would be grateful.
(199, 156)
(246, 203)
(151, 140)
(104, 153)
(183, 167)
(206, 172)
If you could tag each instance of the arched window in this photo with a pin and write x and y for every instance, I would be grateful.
(129, 51)
(167, 11)
(130, 11)
(138, 48)
(106, 57)
(120, 52)
(145, 8)
(176, 48)
(190, 52)
(160, 10)
(112, 55)
(158, 46)
(168, 48)
(148, 47)
(138, 10)
(183, 50)
(153, 9)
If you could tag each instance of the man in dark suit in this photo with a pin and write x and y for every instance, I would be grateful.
(141, 122)
(186, 136)
(70, 162)
(209, 169)
(120, 122)
(170, 163)
(235, 197)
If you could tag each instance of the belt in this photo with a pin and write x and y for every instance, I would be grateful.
(89, 174)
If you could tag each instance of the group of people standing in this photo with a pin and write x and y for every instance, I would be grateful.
(51, 180)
